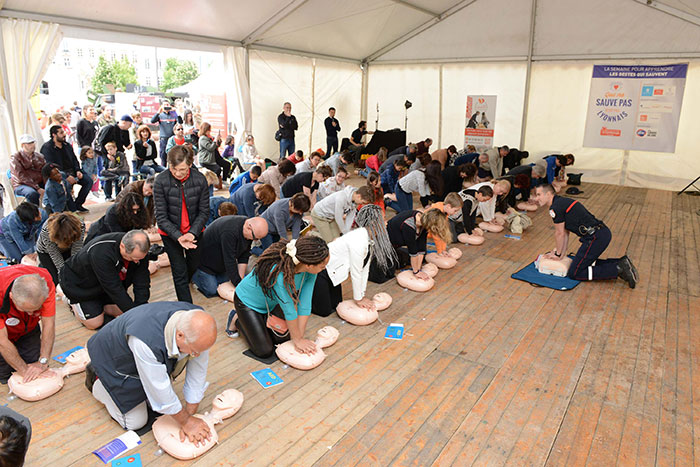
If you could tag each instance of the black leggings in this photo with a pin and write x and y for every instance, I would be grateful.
(326, 295)
(253, 326)
(183, 264)
(46, 262)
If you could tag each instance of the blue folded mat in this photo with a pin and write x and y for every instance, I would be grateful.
(530, 274)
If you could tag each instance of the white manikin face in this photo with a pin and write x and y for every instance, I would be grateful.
(382, 301)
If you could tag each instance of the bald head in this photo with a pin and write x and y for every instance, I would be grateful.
(197, 330)
(255, 228)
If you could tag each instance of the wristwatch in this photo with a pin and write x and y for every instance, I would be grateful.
(43, 360)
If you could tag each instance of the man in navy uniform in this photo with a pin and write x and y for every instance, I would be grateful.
(570, 216)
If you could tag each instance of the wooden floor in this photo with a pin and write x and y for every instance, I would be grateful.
(491, 370)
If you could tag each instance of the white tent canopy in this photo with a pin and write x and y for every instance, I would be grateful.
(536, 55)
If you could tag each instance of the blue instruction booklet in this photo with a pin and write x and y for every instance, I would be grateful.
(266, 377)
(394, 331)
(133, 460)
(118, 446)
(61, 358)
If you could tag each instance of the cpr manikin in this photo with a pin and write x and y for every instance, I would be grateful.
(527, 206)
(409, 280)
(354, 314)
(553, 267)
(162, 262)
(166, 430)
(49, 382)
(286, 351)
(489, 227)
(475, 238)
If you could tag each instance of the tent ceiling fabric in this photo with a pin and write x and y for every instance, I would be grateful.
(358, 29)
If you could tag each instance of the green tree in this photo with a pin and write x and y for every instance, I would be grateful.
(117, 73)
(178, 73)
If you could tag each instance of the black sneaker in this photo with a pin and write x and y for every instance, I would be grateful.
(232, 333)
(82, 209)
(627, 272)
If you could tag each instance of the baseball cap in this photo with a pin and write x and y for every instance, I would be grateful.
(26, 139)
(127, 118)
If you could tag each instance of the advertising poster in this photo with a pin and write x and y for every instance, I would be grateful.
(635, 107)
(213, 109)
(481, 120)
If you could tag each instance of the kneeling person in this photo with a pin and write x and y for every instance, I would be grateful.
(97, 278)
(135, 358)
(570, 216)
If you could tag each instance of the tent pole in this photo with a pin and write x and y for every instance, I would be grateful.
(313, 103)
(526, 98)
(439, 141)
(624, 167)
(6, 84)
(365, 85)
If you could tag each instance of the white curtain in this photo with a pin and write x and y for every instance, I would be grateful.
(29, 48)
(238, 91)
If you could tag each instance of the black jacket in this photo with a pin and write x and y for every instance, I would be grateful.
(168, 192)
(116, 135)
(86, 131)
(94, 272)
(140, 151)
(63, 157)
(106, 224)
(287, 125)
(224, 247)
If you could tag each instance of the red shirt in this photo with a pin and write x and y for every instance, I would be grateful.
(19, 323)
(294, 159)
(372, 162)
(185, 217)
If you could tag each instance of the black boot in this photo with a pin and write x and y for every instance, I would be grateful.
(627, 272)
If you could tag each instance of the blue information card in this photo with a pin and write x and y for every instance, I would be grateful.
(266, 377)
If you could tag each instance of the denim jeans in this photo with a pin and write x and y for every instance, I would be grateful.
(286, 147)
(404, 201)
(9, 248)
(29, 193)
(151, 169)
(207, 283)
(332, 146)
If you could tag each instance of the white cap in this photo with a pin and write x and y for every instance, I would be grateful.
(26, 139)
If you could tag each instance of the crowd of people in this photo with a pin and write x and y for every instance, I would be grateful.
(255, 247)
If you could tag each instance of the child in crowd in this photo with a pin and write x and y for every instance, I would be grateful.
(309, 164)
(117, 171)
(373, 162)
(220, 206)
(471, 198)
(88, 164)
(283, 215)
(334, 215)
(427, 182)
(230, 154)
(452, 207)
(391, 175)
(250, 153)
(251, 176)
(340, 159)
(375, 184)
(333, 184)
(55, 196)
(296, 157)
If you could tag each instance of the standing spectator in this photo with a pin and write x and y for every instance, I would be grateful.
(146, 153)
(277, 174)
(332, 129)
(87, 127)
(209, 156)
(106, 118)
(75, 115)
(189, 128)
(287, 124)
(182, 209)
(118, 133)
(96, 279)
(29, 296)
(117, 172)
(19, 231)
(25, 169)
(57, 152)
(166, 118)
(67, 127)
(333, 184)
(55, 196)
(88, 164)
(60, 238)
(309, 164)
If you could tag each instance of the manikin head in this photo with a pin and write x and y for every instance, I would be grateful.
(544, 195)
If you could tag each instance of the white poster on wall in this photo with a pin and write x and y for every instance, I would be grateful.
(481, 118)
(635, 107)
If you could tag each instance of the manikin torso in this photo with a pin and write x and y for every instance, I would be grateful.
(49, 382)
(354, 314)
(286, 352)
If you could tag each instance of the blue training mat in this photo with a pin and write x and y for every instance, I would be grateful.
(530, 274)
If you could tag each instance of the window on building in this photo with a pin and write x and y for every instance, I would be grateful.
(114, 56)
(148, 81)
(147, 63)
(66, 61)
(80, 52)
(124, 56)
(92, 53)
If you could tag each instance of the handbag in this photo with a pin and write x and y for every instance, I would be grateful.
(574, 179)
(278, 135)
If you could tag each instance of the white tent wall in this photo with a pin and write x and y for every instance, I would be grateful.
(556, 120)
(505, 80)
(339, 85)
(392, 85)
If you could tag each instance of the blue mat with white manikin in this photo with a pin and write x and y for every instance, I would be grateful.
(530, 274)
